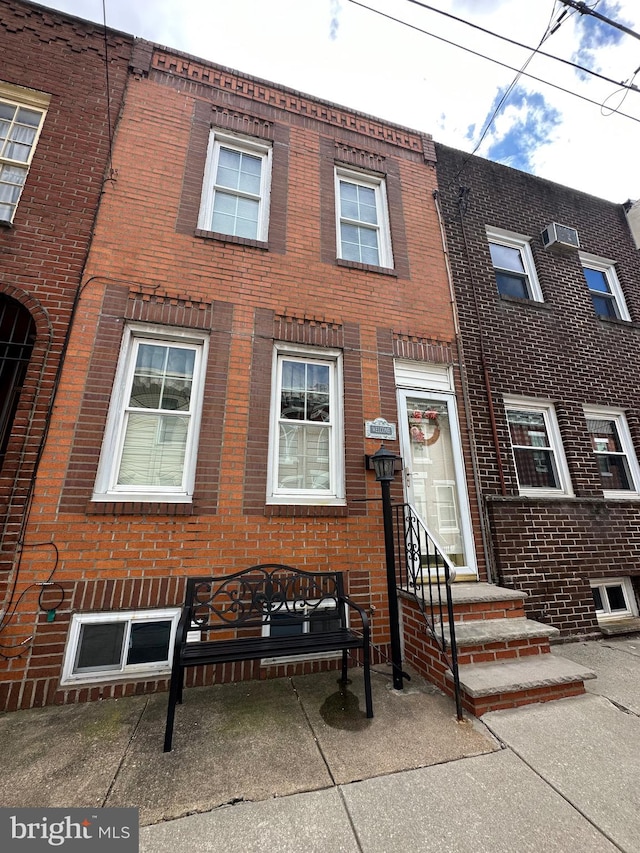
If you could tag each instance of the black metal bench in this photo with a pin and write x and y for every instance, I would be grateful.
(265, 612)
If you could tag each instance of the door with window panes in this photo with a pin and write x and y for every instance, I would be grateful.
(434, 473)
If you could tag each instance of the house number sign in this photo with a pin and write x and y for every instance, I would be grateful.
(380, 428)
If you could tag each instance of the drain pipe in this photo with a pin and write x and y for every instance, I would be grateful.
(462, 201)
(488, 557)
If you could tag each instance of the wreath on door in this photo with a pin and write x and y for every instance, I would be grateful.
(418, 427)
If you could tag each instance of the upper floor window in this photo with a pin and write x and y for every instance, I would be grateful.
(513, 265)
(362, 219)
(611, 443)
(306, 464)
(604, 287)
(537, 448)
(149, 449)
(22, 113)
(235, 190)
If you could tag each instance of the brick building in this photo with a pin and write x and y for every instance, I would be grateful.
(266, 274)
(547, 283)
(54, 155)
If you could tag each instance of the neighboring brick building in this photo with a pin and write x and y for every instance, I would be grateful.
(266, 274)
(54, 155)
(552, 352)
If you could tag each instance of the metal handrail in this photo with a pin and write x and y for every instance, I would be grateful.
(426, 573)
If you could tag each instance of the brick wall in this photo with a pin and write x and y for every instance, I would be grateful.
(44, 251)
(557, 350)
(150, 263)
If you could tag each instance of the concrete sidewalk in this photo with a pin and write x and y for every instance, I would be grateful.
(293, 765)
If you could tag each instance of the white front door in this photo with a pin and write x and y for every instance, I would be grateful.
(434, 473)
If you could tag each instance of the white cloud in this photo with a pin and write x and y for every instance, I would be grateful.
(336, 50)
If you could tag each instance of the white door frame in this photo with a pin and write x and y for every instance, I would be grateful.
(469, 571)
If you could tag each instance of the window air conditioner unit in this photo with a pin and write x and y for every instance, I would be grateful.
(560, 235)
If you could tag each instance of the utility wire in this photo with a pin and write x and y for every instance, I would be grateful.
(108, 84)
(520, 44)
(489, 58)
(591, 10)
(549, 30)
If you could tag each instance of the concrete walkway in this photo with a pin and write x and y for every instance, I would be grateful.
(294, 765)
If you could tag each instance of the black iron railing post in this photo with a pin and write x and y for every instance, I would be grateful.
(454, 646)
(392, 589)
(425, 564)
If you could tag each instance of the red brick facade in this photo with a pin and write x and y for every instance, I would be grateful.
(44, 250)
(151, 264)
(558, 350)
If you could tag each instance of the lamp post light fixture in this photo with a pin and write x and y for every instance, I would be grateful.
(383, 462)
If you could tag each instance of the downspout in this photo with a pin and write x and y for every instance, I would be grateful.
(465, 393)
(464, 191)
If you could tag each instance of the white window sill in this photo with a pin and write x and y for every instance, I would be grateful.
(142, 674)
(544, 493)
(621, 496)
(299, 500)
(142, 497)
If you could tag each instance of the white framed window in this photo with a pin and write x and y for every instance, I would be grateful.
(310, 618)
(362, 219)
(236, 187)
(613, 598)
(109, 646)
(537, 448)
(513, 265)
(604, 287)
(150, 444)
(613, 449)
(306, 447)
(22, 113)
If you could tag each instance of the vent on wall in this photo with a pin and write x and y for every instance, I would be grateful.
(560, 235)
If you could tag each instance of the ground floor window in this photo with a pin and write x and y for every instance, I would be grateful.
(106, 646)
(614, 598)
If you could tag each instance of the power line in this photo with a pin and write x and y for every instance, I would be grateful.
(549, 30)
(520, 44)
(588, 10)
(489, 58)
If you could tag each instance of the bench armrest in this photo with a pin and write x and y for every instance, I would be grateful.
(363, 616)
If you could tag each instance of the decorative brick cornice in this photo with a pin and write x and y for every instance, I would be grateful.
(234, 120)
(307, 330)
(261, 91)
(346, 153)
(422, 349)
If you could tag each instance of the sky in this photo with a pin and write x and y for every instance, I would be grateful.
(417, 67)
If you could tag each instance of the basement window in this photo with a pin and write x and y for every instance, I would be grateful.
(109, 646)
(613, 599)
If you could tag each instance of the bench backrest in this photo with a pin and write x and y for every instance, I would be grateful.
(267, 592)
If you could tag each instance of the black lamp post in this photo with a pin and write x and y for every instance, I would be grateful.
(384, 463)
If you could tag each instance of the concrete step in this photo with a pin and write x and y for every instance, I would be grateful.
(620, 626)
(510, 684)
(480, 632)
(476, 600)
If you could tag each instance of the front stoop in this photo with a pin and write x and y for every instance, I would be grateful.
(504, 658)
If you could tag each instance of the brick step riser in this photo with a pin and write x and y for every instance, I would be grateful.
(470, 611)
(495, 652)
(479, 705)
(423, 653)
